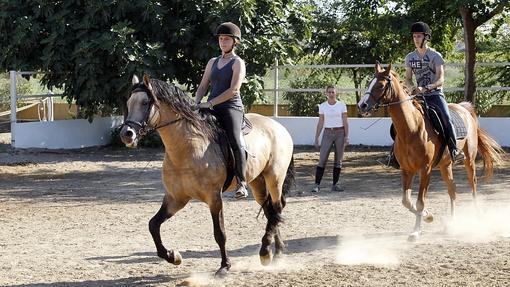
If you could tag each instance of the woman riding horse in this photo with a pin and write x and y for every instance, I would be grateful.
(195, 167)
(225, 74)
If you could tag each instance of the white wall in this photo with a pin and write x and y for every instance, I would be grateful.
(376, 131)
(66, 134)
(80, 133)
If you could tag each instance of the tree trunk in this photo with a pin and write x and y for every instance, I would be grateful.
(357, 85)
(470, 54)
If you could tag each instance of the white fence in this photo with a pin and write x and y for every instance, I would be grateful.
(376, 131)
(80, 133)
(50, 134)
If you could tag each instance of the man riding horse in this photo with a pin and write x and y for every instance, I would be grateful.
(427, 65)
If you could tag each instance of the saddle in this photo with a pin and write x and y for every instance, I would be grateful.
(228, 154)
(432, 113)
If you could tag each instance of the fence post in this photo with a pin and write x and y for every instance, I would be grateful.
(50, 106)
(13, 75)
(276, 87)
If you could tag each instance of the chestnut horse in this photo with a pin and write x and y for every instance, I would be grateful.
(417, 145)
(195, 167)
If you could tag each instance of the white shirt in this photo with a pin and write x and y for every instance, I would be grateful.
(333, 114)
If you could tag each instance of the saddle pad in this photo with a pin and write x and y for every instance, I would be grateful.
(458, 123)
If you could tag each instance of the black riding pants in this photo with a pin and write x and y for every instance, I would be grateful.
(439, 102)
(231, 119)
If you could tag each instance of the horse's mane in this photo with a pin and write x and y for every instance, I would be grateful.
(182, 104)
(416, 102)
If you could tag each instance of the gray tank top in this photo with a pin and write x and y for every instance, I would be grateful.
(221, 79)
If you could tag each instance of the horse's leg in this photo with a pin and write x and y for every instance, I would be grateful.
(272, 209)
(279, 246)
(216, 209)
(447, 175)
(407, 180)
(258, 187)
(168, 208)
(420, 205)
(470, 166)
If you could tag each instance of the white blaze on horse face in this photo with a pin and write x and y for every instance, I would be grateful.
(365, 97)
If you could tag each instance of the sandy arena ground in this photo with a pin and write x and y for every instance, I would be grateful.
(80, 218)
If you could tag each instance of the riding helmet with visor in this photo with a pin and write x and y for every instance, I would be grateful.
(229, 29)
(421, 27)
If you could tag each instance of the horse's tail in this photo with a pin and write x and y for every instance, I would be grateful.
(289, 181)
(489, 149)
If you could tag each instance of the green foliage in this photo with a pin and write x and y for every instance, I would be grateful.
(91, 49)
(306, 104)
(24, 87)
(493, 45)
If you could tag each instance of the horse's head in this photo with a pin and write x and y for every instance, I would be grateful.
(379, 92)
(143, 113)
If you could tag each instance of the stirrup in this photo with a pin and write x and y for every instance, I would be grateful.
(241, 191)
(392, 161)
(457, 155)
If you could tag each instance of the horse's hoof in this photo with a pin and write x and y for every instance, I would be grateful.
(428, 217)
(278, 256)
(413, 237)
(221, 273)
(177, 258)
(266, 259)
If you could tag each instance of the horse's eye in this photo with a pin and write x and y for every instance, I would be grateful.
(144, 103)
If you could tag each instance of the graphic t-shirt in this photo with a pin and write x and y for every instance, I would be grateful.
(424, 69)
(333, 114)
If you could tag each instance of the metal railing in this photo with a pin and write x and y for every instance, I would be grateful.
(277, 89)
(48, 104)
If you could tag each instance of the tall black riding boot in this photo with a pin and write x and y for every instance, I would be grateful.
(240, 161)
(336, 177)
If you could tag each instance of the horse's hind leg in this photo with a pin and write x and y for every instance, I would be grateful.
(216, 209)
(168, 209)
(447, 175)
(272, 209)
(470, 166)
(261, 195)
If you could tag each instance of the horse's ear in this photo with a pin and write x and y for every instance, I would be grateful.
(388, 70)
(135, 80)
(377, 67)
(147, 81)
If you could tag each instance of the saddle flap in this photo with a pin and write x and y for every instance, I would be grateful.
(246, 127)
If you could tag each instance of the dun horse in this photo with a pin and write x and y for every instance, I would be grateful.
(195, 167)
(417, 145)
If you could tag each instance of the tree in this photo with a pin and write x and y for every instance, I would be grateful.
(355, 31)
(91, 48)
(474, 13)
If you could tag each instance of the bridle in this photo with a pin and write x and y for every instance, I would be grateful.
(142, 128)
(389, 86)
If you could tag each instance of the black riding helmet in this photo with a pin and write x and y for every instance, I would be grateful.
(421, 27)
(229, 29)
